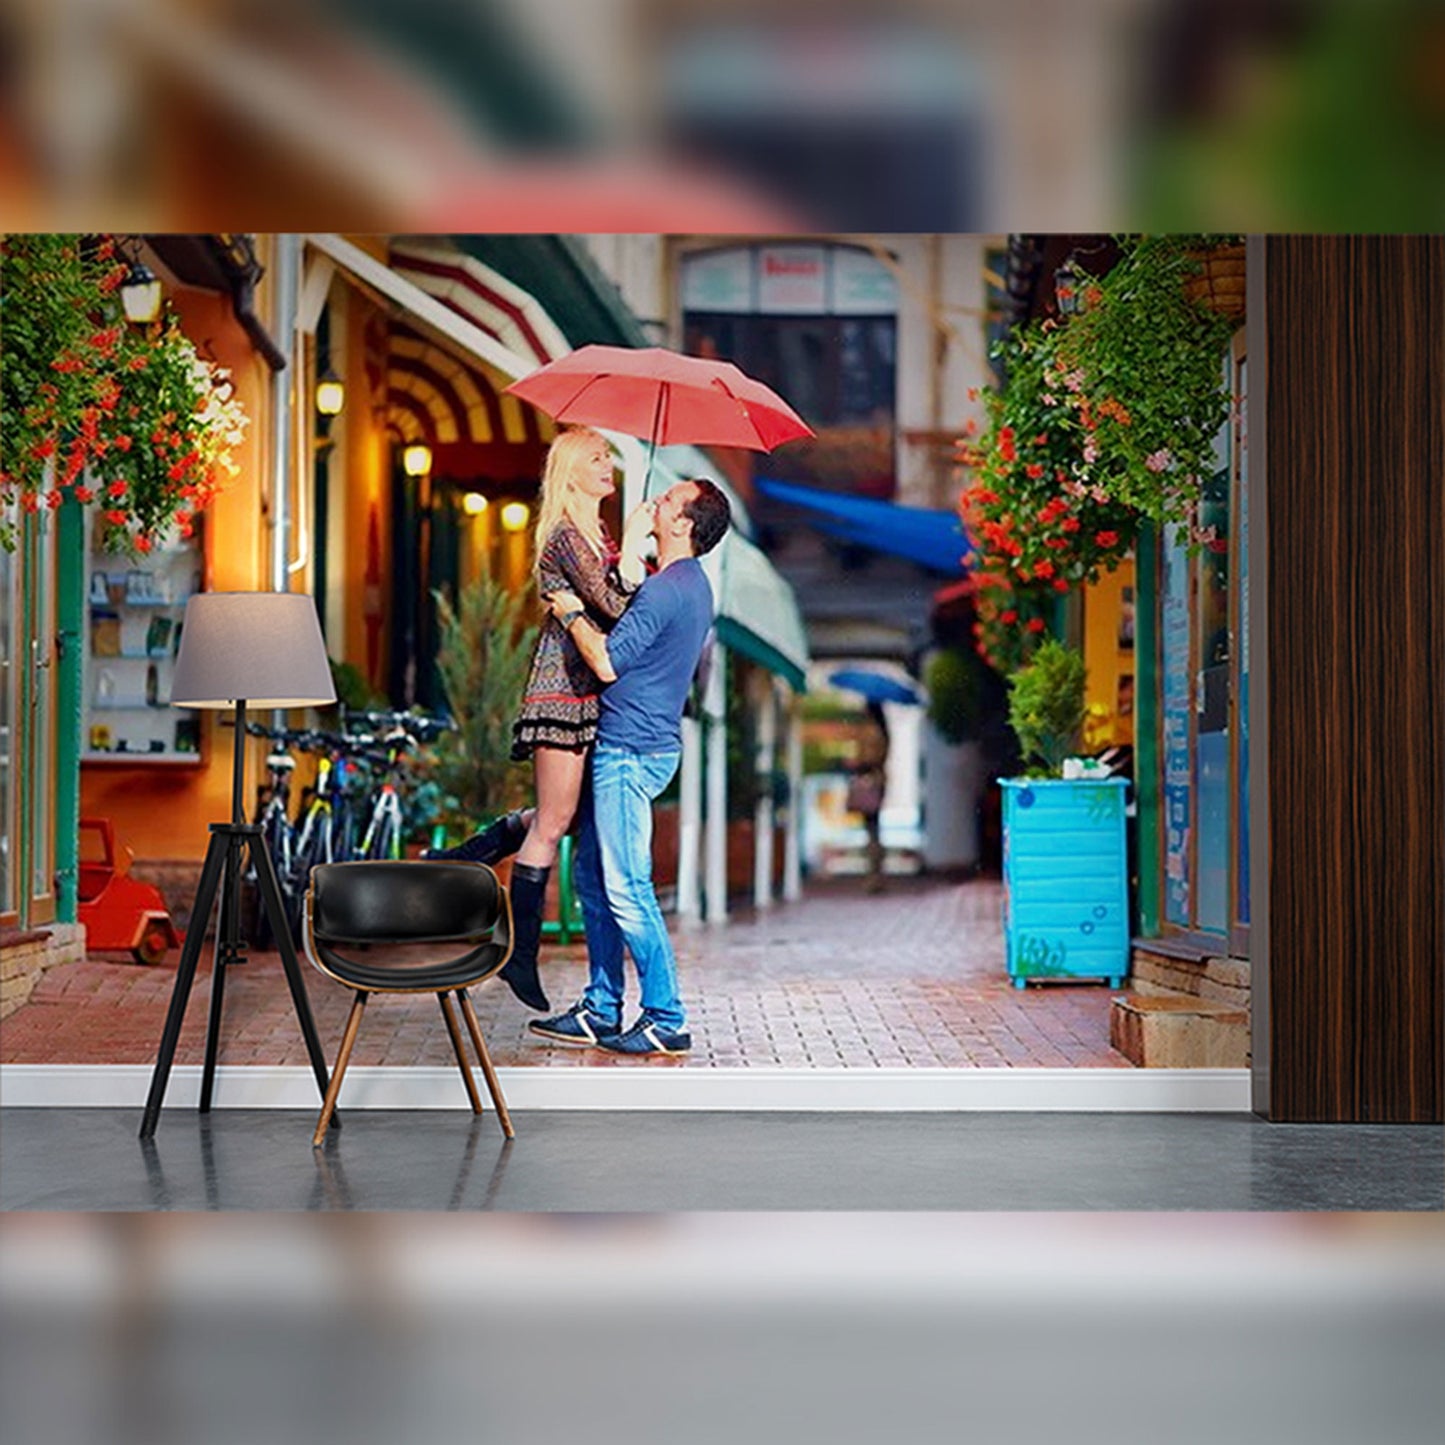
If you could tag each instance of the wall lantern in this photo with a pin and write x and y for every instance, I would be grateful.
(515, 516)
(140, 294)
(474, 504)
(416, 459)
(1068, 290)
(330, 394)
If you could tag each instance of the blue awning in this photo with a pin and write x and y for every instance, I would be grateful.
(931, 537)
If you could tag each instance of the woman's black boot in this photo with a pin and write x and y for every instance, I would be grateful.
(529, 892)
(491, 845)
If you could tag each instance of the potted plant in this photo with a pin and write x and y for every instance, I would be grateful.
(1038, 522)
(484, 652)
(1141, 366)
(96, 411)
(1066, 890)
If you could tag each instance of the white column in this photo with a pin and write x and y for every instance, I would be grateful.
(715, 844)
(765, 760)
(792, 836)
(689, 823)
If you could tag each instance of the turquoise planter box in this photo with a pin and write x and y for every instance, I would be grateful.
(1066, 879)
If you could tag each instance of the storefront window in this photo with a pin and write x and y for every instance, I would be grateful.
(819, 325)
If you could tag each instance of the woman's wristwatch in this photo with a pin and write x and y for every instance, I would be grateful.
(568, 618)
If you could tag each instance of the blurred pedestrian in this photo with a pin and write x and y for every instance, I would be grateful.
(868, 783)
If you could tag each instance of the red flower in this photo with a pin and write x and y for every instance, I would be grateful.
(1011, 616)
(123, 443)
(1070, 524)
(1061, 584)
(1034, 471)
(53, 500)
(115, 489)
(1036, 624)
(1043, 569)
(116, 517)
(1107, 539)
(84, 494)
(143, 543)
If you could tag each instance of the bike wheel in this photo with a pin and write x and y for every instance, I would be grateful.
(276, 838)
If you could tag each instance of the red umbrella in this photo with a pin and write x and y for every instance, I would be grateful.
(662, 396)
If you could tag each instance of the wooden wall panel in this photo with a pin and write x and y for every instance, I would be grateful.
(1354, 492)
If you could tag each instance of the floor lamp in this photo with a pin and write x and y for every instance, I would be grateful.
(239, 650)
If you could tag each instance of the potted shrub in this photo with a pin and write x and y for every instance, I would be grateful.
(484, 652)
(1066, 889)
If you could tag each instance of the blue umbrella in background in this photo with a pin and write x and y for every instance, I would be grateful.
(875, 686)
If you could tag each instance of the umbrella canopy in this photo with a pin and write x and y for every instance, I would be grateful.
(875, 686)
(663, 397)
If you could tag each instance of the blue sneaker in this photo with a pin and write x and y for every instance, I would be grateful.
(579, 1025)
(648, 1037)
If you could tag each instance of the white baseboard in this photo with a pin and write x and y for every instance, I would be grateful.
(124, 1086)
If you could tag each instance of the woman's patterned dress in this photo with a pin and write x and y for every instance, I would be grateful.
(559, 705)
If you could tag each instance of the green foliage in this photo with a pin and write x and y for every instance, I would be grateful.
(483, 659)
(1046, 707)
(352, 690)
(955, 694)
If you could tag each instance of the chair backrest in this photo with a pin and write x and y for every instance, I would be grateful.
(387, 901)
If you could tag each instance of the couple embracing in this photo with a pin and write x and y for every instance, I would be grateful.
(601, 720)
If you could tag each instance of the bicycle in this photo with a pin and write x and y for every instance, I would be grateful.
(277, 833)
(325, 829)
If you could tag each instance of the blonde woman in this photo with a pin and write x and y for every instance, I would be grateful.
(557, 721)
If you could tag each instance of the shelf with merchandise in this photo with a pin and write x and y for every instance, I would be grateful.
(136, 608)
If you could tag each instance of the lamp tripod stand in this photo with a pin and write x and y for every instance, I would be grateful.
(266, 646)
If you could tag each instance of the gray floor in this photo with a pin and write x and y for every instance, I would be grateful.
(90, 1159)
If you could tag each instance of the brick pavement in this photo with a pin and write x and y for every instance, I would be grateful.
(843, 979)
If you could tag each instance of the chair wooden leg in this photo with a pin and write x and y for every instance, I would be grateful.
(353, 1023)
(488, 1072)
(461, 1054)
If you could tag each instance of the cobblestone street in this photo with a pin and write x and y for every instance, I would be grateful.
(911, 977)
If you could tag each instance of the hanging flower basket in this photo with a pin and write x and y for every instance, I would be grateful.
(1219, 286)
(133, 422)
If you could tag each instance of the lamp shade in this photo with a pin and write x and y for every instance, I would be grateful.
(261, 648)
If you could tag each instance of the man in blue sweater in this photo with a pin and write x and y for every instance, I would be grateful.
(648, 661)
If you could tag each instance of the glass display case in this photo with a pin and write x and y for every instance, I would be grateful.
(135, 609)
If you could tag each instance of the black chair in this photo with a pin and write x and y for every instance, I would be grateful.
(381, 905)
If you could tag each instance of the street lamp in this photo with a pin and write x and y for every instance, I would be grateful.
(140, 294)
(474, 504)
(416, 459)
(1067, 292)
(515, 516)
(330, 393)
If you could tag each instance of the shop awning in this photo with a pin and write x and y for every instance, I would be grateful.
(439, 320)
(931, 537)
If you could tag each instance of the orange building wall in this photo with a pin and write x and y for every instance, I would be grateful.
(161, 810)
(1109, 718)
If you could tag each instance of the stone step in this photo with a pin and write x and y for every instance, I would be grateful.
(1179, 1031)
(1223, 980)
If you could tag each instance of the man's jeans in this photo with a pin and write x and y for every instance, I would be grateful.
(613, 876)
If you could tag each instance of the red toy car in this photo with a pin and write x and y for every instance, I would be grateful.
(117, 911)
